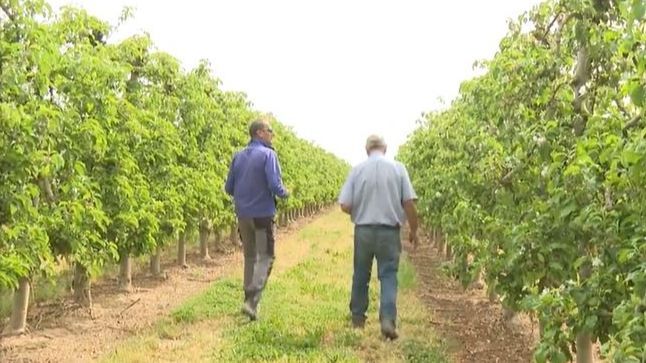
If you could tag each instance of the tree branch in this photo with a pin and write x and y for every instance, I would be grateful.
(7, 11)
(632, 123)
(622, 108)
(555, 92)
(46, 188)
(549, 27)
(608, 202)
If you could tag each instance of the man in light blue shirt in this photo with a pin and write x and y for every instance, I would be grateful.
(380, 198)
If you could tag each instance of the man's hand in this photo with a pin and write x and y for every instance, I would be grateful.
(346, 208)
(412, 238)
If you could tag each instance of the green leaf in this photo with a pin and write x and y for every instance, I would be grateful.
(58, 161)
(630, 157)
(637, 94)
(555, 266)
(625, 255)
(590, 323)
(567, 210)
(79, 167)
(638, 9)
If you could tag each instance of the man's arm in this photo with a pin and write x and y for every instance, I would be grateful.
(273, 174)
(228, 186)
(408, 202)
(345, 198)
(411, 214)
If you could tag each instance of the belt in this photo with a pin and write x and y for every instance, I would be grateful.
(387, 226)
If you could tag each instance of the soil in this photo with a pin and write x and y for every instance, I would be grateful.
(62, 331)
(472, 327)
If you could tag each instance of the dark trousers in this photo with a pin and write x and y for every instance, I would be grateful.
(257, 235)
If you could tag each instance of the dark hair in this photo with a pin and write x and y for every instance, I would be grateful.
(256, 126)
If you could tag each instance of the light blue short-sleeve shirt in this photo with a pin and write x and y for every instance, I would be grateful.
(376, 190)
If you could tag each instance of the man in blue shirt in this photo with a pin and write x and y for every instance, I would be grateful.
(255, 181)
(380, 198)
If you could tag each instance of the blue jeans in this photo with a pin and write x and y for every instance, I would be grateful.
(384, 244)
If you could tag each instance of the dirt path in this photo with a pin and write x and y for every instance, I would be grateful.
(304, 313)
(473, 327)
(62, 332)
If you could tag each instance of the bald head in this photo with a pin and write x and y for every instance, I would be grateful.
(375, 142)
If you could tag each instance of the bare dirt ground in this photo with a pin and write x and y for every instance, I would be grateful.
(473, 327)
(61, 331)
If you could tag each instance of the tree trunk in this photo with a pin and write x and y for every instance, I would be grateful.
(233, 235)
(217, 235)
(584, 348)
(82, 286)
(441, 247)
(449, 252)
(181, 250)
(584, 338)
(18, 323)
(125, 272)
(478, 283)
(283, 219)
(155, 263)
(491, 292)
(204, 243)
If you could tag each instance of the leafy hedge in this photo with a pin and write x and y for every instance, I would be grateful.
(535, 174)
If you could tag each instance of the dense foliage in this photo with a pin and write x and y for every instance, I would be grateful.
(113, 150)
(535, 174)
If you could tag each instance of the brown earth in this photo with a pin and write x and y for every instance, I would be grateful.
(62, 331)
(473, 328)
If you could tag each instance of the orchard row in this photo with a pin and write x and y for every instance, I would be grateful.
(109, 151)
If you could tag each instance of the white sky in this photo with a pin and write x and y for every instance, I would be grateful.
(334, 70)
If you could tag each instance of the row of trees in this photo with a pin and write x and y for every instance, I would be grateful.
(109, 151)
(535, 176)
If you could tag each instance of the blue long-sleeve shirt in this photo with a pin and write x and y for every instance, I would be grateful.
(254, 181)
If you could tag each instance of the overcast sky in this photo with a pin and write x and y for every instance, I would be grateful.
(334, 70)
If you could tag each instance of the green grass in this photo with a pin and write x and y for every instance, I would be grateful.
(303, 314)
(221, 298)
(416, 351)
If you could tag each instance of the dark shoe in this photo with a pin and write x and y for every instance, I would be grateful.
(358, 322)
(388, 330)
(249, 311)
